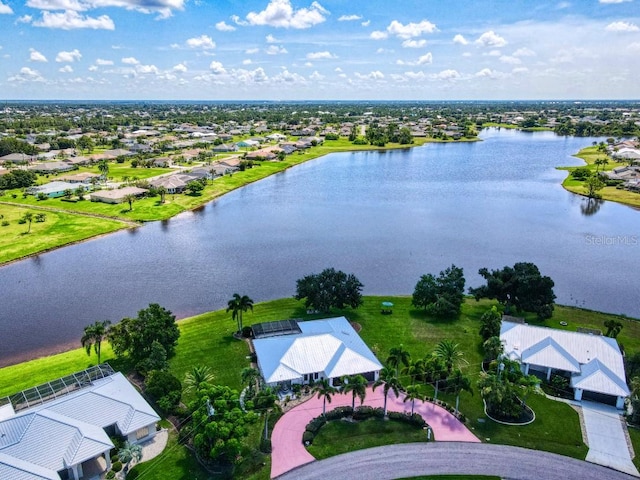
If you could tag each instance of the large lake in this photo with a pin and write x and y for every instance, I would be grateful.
(387, 217)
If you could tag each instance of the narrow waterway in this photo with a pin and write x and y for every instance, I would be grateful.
(387, 217)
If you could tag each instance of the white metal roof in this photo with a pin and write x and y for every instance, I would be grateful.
(564, 350)
(69, 430)
(330, 346)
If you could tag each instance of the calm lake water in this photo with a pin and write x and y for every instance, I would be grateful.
(386, 217)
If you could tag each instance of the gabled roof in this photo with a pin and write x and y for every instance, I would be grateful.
(565, 350)
(596, 377)
(549, 353)
(16, 469)
(331, 346)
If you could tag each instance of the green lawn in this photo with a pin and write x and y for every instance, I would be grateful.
(590, 155)
(206, 340)
(58, 229)
(338, 436)
(634, 434)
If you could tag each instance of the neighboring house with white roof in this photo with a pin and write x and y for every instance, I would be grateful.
(314, 350)
(60, 430)
(593, 363)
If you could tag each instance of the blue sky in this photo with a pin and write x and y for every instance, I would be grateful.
(325, 49)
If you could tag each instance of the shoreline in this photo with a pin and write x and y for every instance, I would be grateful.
(129, 224)
(67, 348)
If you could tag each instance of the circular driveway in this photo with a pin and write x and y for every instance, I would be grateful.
(414, 459)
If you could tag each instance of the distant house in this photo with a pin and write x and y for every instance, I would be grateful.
(172, 183)
(54, 189)
(593, 364)
(118, 195)
(52, 167)
(225, 147)
(60, 430)
(17, 158)
(308, 351)
(247, 144)
(82, 177)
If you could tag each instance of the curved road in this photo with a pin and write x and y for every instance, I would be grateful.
(414, 459)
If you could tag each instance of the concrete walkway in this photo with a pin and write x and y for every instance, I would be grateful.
(286, 440)
(607, 439)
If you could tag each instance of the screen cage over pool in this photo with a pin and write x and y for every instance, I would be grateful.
(274, 329)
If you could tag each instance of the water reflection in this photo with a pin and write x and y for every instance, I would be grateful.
(590, 206)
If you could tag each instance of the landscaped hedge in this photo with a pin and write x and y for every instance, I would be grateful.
(359, 414)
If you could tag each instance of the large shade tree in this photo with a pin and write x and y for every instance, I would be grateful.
(237, 306)
(93, 336)
(521, 287)
(329, 289)
(443, 295)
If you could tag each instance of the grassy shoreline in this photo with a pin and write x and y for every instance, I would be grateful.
(207, 339)
(150, 209)
(589, 155)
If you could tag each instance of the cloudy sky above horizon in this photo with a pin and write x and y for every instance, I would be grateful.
(323, 49)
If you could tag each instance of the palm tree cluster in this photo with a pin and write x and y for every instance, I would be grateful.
(237, 305)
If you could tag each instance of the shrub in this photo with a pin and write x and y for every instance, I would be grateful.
(165, 388)
(247, 332)
(307, 437)
(5, 223)
(22, 221)
(332, 136)
(116, 466)
(338, 413)
(316, 424)
(42, 196)
(110, 474)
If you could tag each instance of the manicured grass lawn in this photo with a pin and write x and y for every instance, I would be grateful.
(590, 155)
(58, 229)
(338, 436)
(634, 434)
(206, 340)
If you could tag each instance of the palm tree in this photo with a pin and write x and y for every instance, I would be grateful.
(130, 198)
(415, 370)
(397, 356)
(103, 168)
(450, 354)
(357, 385)
(198, 376)
(128, 453)
(458, 382)
(239, 304)
(613, 328)
(389, 382)
(434, 368)
(162, 191)
(28, 217)
(94, 335)
(413, 393)
(325, 390)
(250, 376)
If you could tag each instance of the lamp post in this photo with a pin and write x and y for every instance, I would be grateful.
(428, 430)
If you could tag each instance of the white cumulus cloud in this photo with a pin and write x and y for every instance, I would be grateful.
(281, 14)
(101, 61)
(414, 43)
(251, 51)
(36, 56)
(491, 39)
(224, 27)
(5, 9)
(275, 50)
(510, 60)
(410, 30)
(524, 52)
(217, 68)
(181, 67)
(622, 27)
(68, 57)
(27, 75)
(147, 69)
(320, 55)
(349, 18)
(448, 75)
(130, 61)
(271, 39)
(72, 20)
(425, 59)
(379, 35)
(203, 41)
(459, 39)
(66, 69)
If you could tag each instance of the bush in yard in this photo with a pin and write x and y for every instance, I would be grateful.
(116, 467)
(316, 424)
(338, 413)
(307, 437)
(110, 474)
(265, 444)
(164, 388)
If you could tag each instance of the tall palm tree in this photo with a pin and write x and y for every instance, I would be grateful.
(162, 191)
(103, 168)
(128, 453)
(28, 217)
(450, 354)
(434, 368)
(415, 370)
(398, 355)
(198, 376)
(458, 382)
(94, 335)
(325, 390)
(237, 305)
(413, 393)
(130, 198)
(357, 386)
(389, 382)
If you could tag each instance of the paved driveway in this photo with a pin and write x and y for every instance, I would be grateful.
(606, 437)
(415, 459)
(286, 439)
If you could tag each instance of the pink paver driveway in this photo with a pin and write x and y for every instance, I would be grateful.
(286, 440)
